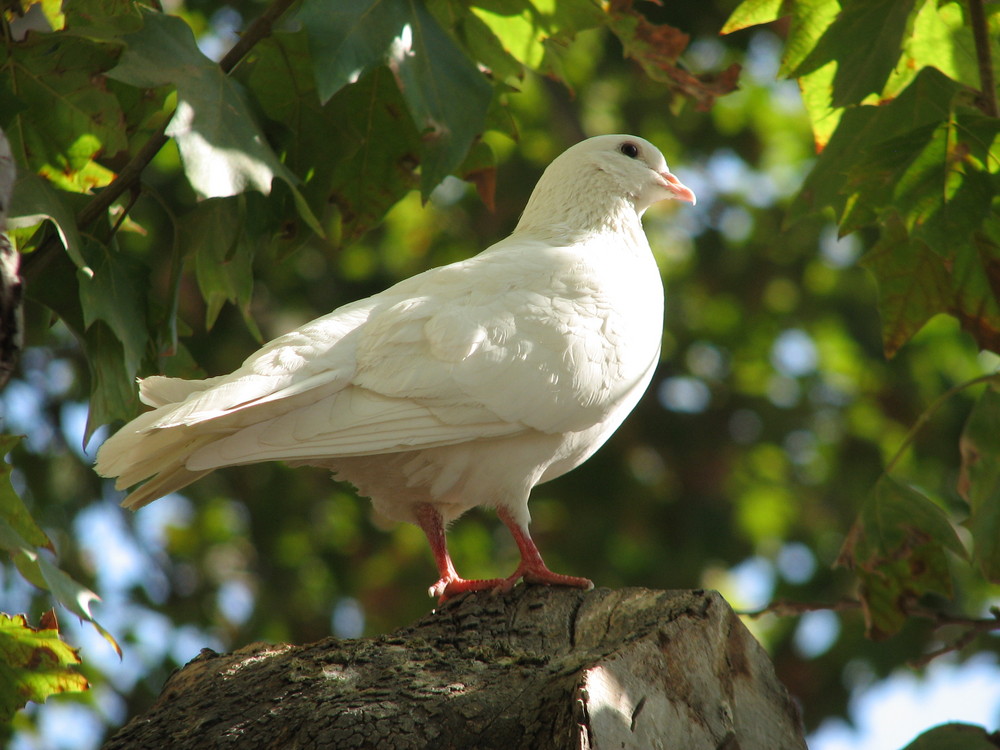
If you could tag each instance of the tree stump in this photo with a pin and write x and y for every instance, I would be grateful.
(536, 668)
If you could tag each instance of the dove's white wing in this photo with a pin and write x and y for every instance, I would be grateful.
(517, 338)
(497, 345)
(297, 368)
(532, 341)
(308, 362)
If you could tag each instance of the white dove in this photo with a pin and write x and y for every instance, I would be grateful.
(465, 385)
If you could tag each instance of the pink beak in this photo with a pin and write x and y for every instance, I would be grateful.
(680, 191)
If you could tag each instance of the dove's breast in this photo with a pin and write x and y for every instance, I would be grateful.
(631, 331)
(560, 346)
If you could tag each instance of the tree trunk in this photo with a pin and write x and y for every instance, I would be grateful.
(536, 668)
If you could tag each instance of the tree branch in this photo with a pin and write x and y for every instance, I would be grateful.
(785, 608)
(131, 173)
(981, 33)
(127, 177)
(971, 626)
(258, 30)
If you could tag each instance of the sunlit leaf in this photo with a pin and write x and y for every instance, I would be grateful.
(223, 151)
(864, 41)
(504, 36)
(41, 572)
(70, 119)
(866, 132)
(897, 549)
(933, 176)
(490, 47)
(34, 663)
(809, 22)
(942, 39)
(519, 31)
(752, 13)
(823, 116)
(979, 482)
(51, 9)
(919, 167)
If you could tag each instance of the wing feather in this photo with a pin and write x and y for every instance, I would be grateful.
(353, 422)
(308, 362)
(526, 343)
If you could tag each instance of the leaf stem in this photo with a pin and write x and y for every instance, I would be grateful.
(981, 34)
(930, 411)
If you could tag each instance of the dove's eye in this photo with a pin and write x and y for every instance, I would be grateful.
(629, 149)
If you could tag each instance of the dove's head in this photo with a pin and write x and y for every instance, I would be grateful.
(600, 178)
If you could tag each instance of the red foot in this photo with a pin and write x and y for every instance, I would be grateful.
(532, 568)
(446, 588)
(536, 574)
(450, 583)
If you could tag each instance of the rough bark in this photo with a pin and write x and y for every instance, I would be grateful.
(537, 668)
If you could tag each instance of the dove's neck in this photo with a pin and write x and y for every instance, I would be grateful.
(574, 210)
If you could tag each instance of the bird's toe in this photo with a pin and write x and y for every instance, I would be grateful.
(449, 587)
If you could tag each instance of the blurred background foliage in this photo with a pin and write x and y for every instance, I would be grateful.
(771, 417)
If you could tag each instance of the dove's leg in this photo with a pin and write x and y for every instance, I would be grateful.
(450, 584)
(532, 568)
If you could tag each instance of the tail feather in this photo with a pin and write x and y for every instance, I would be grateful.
(141, 452)
(165, 482)
(156, 446)
(132, 456)
(127, 446)
(155, 453)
